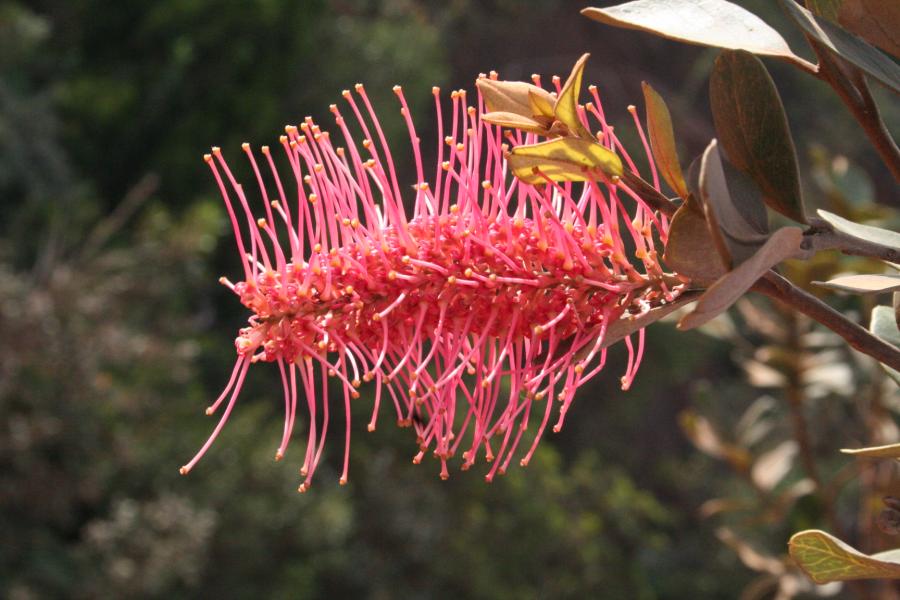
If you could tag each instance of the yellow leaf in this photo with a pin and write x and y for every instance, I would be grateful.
(541, 104)
(563, 159)
(566, 109)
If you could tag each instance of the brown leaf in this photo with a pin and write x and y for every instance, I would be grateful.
(688, 247)
(511, 96)
(662, 140)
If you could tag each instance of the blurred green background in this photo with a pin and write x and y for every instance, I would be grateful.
(116, 335)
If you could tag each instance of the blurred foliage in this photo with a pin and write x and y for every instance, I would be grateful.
(115, 335)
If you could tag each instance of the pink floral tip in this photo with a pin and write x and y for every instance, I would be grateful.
(478, 303)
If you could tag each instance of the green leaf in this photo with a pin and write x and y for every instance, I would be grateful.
(825, 559)
(868, 233)
(783, 244)
(889, 451)
(563, 159)
(662, 140)
(742, 236)
(863, 284)
(753, 130)
(846, 45)
(687, 249)
(709, 23)
(566, 108)
(884, 325)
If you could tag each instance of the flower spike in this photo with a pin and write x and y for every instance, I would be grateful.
(478, 296)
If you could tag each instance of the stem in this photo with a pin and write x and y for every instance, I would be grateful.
(654, 198)
(858, 98)
(777, 287)
(822, 236)
(794, 393)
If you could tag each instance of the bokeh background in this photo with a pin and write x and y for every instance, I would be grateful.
(115, 334)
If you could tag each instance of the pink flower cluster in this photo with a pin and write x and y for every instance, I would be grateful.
(477, 303)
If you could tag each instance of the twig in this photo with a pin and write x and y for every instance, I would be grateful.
(134, 199)
(822, 236)
(777, 287)
(858, 98)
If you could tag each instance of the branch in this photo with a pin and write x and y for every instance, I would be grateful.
(777, 287)
(822, 236)
(858, 98)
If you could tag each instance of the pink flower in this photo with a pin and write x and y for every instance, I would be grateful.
(477, 303)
